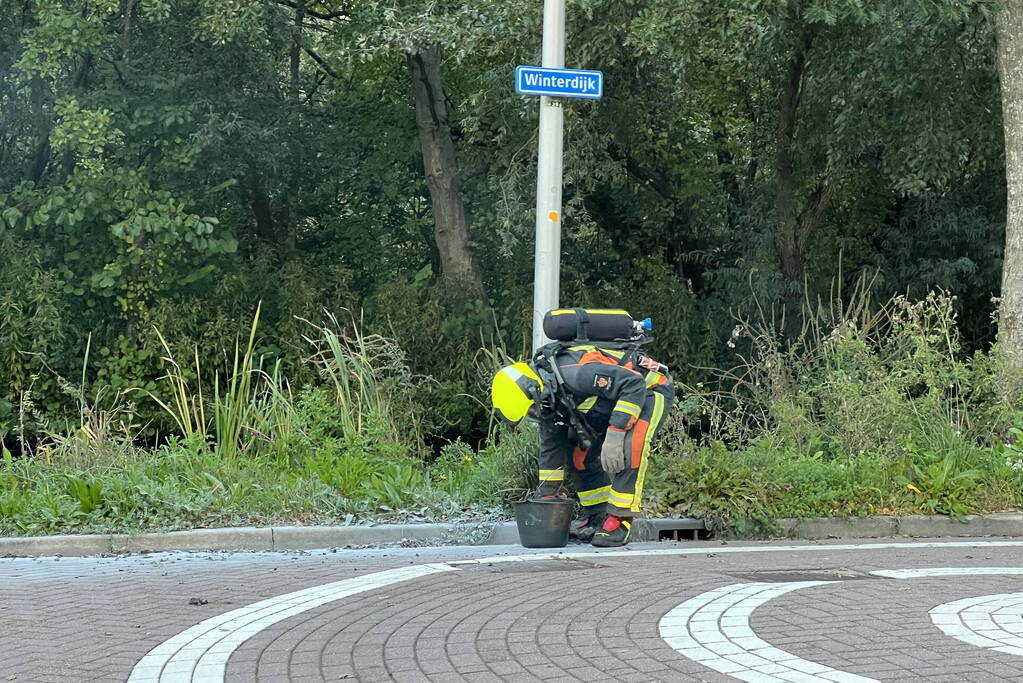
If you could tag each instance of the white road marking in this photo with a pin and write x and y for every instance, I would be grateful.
(990, 621)
(722, 550)
(201, 653)
(947, 571)
(713, 629)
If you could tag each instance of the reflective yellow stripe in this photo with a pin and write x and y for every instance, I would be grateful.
(622, 500)
(588, 404)
(627, 408)
(655, 420)
(594, 496)
(652, 378)
(606, 352)
(599, 311)
(552, 475)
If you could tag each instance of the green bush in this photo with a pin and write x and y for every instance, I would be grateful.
(502, 471)
(872, 411)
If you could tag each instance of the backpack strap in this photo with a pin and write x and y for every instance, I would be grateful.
(631, 355)
(582, 324)
(546, 359)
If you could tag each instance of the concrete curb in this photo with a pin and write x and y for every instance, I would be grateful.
(501, 533)
(912, 526)
(262, 539)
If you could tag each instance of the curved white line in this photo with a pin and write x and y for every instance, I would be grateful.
(947, 571)
(200, 653)
(990, 621)
(713, 629)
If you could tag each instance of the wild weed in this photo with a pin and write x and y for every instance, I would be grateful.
(370, 377)
(246, 409)
(186, 407)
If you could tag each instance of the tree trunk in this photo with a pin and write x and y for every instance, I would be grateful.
(129, 11)
(788, 238)
(795, 224)
(1009, 28)
(289, 238)
(451, 228)
(43, 124)
(296, 51)
(255, 193)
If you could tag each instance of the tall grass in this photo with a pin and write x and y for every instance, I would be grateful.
(488, 361)
(245, 448)
(186, 407)
(370, 378)
(346, 361)
(273, 420)
(247, 406)
(873, 410)
(248, 409)
(235, 408)
(104, 431)
(860, 377)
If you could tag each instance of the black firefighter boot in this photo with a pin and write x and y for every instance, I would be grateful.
(613, 533)
(583, 529)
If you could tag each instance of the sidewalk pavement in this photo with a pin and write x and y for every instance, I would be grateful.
(287, 538)
(862, 610)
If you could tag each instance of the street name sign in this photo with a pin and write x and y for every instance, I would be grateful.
(538, 80)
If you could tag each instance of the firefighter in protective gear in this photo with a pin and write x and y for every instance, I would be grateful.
(621, 399)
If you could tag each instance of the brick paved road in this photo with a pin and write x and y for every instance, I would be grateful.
(592, 617)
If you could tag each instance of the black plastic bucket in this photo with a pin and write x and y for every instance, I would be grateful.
(544, 523)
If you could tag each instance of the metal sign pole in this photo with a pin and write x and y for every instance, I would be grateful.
(547, 267)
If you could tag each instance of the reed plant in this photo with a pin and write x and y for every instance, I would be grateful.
(245, 409)
(186, 405)
(370, 378)
(237, 406)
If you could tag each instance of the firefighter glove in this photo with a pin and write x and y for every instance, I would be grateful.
(612, 453)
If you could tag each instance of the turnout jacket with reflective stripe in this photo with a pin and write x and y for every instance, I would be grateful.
(591, 374)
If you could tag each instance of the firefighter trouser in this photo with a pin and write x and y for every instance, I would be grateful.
(622, 494)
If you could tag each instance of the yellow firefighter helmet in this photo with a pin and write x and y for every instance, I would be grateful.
(514, 391)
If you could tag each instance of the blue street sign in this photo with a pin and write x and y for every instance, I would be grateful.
(538, 80)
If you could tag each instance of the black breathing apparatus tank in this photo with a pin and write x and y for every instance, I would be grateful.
(611, 327)
(593, 324)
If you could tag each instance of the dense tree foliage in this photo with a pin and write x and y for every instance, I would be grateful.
(167, 165)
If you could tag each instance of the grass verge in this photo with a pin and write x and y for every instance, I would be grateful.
(874, 410)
